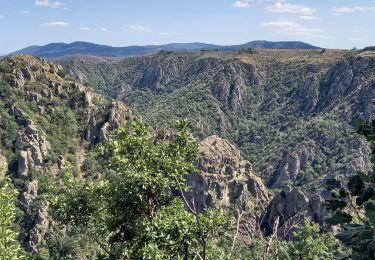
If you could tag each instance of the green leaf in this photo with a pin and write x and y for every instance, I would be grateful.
(364, 177)
(370, 211)
(365, 195)
(335, 204)
(333, 184)
(339, 218)
(355, 185)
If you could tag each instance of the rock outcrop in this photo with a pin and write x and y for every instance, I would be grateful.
(289, 208)
(117, 114)
(48, 94)
(3, 164)
(290, 168)
(349, 83)
(33, 148)
(309, 93)
(29, 69)
(226, 180)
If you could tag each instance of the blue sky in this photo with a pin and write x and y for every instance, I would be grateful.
(326, 23)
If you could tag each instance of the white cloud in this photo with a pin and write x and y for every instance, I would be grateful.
(137, 28)
(1, 16)
(242, 4)
(85, 29)
(48, 3)
(308, 17)
(293, 29)
(282, 6)
(103, 29)
(352, 9)
(56, 24)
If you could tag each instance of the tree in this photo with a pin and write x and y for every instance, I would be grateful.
(130, 211)
(352, 206)
(308, 242)
(9, 246)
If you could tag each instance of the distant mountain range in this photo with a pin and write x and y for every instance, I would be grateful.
(56, 50)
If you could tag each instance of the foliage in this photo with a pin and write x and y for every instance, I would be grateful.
(131, 212)
(272, 121)
(9, 246)
(353, 206)
(308, 242)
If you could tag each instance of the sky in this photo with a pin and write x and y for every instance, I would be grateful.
(325, 23)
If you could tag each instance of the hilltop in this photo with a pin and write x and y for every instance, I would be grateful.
(56, 50)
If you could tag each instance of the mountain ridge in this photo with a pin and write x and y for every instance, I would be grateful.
(57, 50)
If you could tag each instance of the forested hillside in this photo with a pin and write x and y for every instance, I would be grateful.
(83, 176)
(291, 112)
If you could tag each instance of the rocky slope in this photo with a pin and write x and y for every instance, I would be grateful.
(47, 121)
(227, 180)
(291, 113)
(292, 122)
(52, 121)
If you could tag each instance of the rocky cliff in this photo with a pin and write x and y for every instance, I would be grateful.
(226, 180)
(57, 121)
(291, 113)
(290, 121)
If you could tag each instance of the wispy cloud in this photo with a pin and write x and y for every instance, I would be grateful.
(242, 4)
(293, 29)
(48, 3)
(282, 6)
(2, 16)
(136, 28)
(352, 9)
(308, 17)
(85, 28)
(56, 24)
(103, 29)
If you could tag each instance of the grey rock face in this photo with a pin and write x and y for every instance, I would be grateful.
(309, 93)
(3, 164)
(33, 148)
(291, 207)
(40, 229)
(291, 167)
(226, 179)
(98, 130)
(229, 78)
(348, 82)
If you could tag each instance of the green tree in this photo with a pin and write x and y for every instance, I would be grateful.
(310, 244)
(130, 211)
(9, 246)
(352, 205)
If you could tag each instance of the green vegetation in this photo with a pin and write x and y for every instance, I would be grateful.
(130, 212)
(308, 243)
(268, 117)
(353, 206)
(9, 245)
(129, 204)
